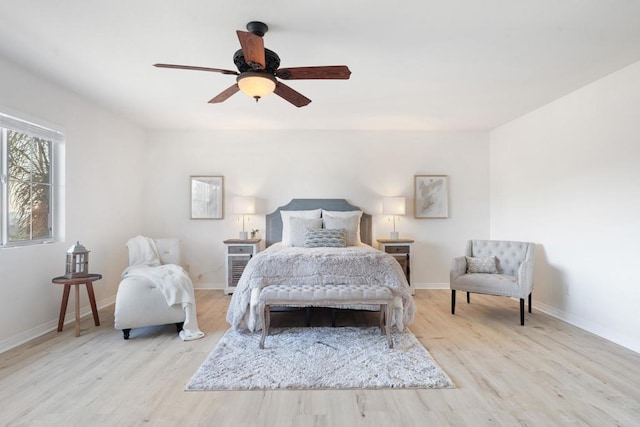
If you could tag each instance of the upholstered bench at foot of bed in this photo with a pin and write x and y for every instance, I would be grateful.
(327, 296)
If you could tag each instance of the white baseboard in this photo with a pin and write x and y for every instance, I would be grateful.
(629, 342)
(52, 325)
(206, 286)
(430, 285)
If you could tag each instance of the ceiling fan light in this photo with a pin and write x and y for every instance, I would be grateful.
(256, 84)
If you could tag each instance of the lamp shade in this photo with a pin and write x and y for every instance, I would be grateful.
(244, 205)
(393, 205)
(256, 84)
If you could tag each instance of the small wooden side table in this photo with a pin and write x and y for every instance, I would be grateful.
(77, 281)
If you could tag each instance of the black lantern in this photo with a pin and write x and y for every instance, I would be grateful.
(77, 261)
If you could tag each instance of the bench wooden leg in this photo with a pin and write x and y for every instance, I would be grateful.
(268, 318)
(389, 307)
(265, 323)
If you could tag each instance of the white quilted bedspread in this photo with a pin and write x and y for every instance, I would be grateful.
(352, 265)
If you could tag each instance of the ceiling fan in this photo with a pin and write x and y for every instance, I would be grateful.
(258, 71)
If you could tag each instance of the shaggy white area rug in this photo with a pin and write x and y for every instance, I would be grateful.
(318, 358)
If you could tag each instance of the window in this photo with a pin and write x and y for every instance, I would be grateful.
(27, 178)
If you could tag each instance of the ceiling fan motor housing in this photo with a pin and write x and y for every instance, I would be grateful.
(272, 62)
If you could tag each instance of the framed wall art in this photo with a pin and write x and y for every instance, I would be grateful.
(431, 196)
(207, 197)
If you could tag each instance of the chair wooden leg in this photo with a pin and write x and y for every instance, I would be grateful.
(453, 301)
(529, 302)
(468, 297)
(125, 333)
(522, 311)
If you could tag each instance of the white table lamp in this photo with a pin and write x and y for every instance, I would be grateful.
(393, 206)
(243, 206)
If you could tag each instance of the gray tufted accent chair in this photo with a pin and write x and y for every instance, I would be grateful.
(514, 262)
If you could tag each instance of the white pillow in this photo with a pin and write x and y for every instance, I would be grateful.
(349, 224)
(286, 215)
(298, 228)
(346, 214)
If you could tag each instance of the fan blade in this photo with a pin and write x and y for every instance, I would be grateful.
(190, 67)
(225, 94)
(288, 94)
(252, 49)
(327, 72)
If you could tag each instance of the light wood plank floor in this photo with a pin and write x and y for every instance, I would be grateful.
(543, 374)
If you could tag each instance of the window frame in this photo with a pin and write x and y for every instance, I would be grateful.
(54, 138)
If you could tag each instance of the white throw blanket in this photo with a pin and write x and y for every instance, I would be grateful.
(171, 280)
(316, 266)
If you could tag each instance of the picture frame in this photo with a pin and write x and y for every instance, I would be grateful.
(207, 197)
(431, 196)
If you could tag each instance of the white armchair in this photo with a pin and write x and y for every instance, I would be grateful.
(140, 303)
(494, 267)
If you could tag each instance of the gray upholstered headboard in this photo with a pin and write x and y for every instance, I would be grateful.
(273, 232)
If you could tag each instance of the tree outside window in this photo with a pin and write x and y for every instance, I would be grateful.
(29, 187)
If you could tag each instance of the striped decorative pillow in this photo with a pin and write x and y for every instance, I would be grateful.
(323, 238)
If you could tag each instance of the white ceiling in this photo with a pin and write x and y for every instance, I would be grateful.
(416, 64)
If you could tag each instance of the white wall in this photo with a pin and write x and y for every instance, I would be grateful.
(276, 166)
(103, 205)
(566, 176)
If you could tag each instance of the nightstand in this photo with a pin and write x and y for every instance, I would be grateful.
(238, 253)
(401, 250)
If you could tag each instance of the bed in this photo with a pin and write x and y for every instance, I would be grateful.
(286, 260)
